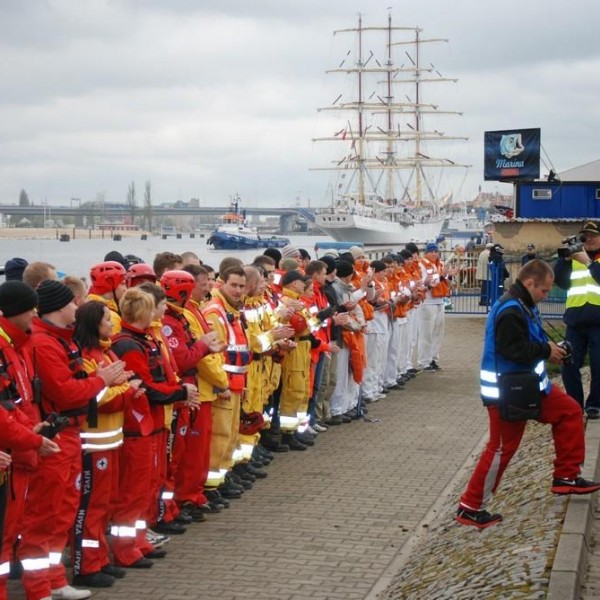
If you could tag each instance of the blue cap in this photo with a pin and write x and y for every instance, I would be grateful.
(432, 248)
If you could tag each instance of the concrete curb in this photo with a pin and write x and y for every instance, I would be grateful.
(570, 562)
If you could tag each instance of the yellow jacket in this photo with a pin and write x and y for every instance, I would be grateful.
(115, 316)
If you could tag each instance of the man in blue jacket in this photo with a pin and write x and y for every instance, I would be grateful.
(515, 342)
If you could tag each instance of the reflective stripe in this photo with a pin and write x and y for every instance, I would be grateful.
(123, 531)
(100, 394)
(90, 544)
(4, 568)
(579, 275)
(488, 376)
(237, 455)
(581, 290)
(237, 348)
(102, 446)
(92, 435)
(166, 495)
(490, 392)
(140, 524)
(235, 369)
(539, 368)
(267, 417)
(246, 450)
(288, 422)
(54, 558)
(35, 564)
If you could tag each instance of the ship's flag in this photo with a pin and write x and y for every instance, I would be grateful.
(505, 211)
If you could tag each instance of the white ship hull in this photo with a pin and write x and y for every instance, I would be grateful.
(370, 231)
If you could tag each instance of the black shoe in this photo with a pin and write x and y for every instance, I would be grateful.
(183, 518)
(305, 438)
(158, 553)
(395, 386)
(262, 451)
(114, 571)
(414, 372)
(142, 563)
(592, 412)
(229, 492)
(346, 418)
(428, 369)
(170, 528)
(574, 486)
(193, 512)
(435, 366)
(214, 497)
(271, 444)
(336, 420)
(95, 580)
(477, 518)
(367, 400)
(243, 474)
(292, 442)
(245, 484)
(258, 473)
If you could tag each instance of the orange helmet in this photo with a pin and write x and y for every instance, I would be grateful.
(298, 323)
(178, 285)
(106, 276)
(138, 273)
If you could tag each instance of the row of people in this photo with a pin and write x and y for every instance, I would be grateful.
(167, 396)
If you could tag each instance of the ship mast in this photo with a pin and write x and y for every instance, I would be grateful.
(358, 162)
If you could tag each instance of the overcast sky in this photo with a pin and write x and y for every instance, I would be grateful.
(210, 98)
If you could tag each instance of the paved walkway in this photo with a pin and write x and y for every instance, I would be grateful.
(327, 522)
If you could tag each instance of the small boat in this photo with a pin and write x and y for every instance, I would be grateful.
(234, 233)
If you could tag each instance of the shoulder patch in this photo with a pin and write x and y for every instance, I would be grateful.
(173, 342)
(167, 330)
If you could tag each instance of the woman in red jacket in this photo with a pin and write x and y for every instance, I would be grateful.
(100, 442)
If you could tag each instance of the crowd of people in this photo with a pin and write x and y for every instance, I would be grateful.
(159, 394)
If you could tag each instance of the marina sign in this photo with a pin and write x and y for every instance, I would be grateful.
(511, 155)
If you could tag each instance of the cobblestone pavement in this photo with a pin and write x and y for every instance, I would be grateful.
(327, 522)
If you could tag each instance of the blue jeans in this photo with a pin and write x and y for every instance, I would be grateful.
(583, 340)
(312, 403)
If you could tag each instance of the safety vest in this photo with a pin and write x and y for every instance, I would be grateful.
(237, 354)
(494, 364)
(584, 288)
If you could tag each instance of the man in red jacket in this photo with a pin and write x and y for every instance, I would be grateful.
(54, 489)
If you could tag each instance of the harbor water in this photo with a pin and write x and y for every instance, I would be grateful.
(78, 255)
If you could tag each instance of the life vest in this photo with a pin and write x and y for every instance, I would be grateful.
(493, 364)
(584, 288)
(237, 354)
(442, 290)
(355, 342)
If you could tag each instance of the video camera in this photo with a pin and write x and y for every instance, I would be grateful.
(572, 245)
(56, 424)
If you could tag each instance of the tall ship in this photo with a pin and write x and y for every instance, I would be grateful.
(234, 232)
(388, 180)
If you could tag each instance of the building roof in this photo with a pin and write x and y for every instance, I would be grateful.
(587, 172)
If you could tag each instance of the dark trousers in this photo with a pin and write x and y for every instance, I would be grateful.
(583, 340)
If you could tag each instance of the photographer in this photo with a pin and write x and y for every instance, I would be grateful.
(515, 348)
(577, 270)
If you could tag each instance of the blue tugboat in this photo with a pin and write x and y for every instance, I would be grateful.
(234, 233)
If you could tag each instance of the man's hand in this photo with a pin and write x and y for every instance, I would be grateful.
(192, 392)
(581, 257)
(282, 331)
(211, 339)
(5, 461)
(110, 373)
(341, 318)
(48, 447)
(556, 353)
(226, 395)
(135, 384)
(334, 348)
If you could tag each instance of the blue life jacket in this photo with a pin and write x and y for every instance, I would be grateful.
(494, 364)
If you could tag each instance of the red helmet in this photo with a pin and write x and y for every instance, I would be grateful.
(251, 423)
(178, 285)
(298, 323)
(106, 277)
(139, 273)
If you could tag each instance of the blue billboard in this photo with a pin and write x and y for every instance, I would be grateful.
(512, 155)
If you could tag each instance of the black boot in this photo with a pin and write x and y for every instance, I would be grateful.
(289, 440)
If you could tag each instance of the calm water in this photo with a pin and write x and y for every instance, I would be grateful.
(76, 257)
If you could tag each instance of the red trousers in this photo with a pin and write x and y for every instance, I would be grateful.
(128, 530)
(50, 509)
(13, 519)
(559, 410)
(190, 457)
(100, 479)
(162, 505)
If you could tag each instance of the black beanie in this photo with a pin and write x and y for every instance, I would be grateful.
(330, 262)
(13, 269)
(378, 266)
(344, 268)
(17, 298)
(53, 295)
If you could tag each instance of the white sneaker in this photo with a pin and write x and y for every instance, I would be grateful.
(156, 539)
(311, 430)
(319, 428)
(68, 592)
(378, 396)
